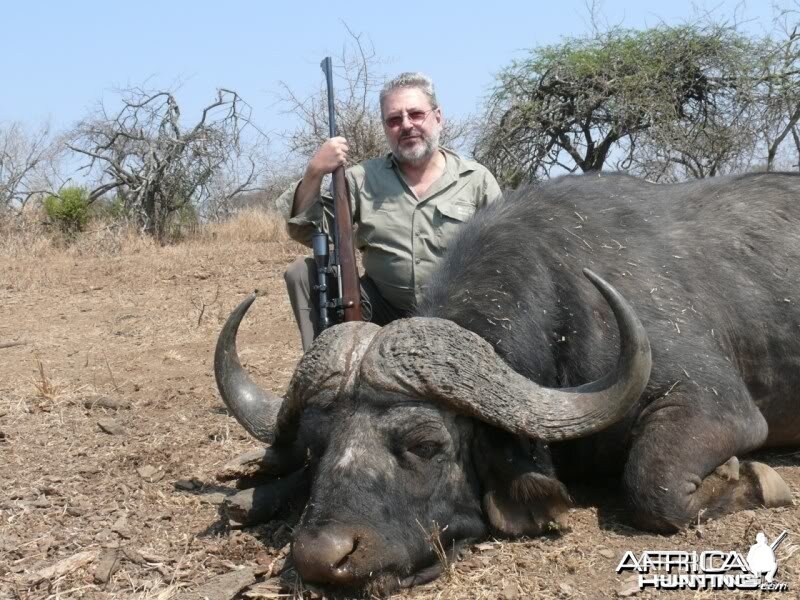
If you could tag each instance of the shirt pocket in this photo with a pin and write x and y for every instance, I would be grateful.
(448, 219)
(383, 222)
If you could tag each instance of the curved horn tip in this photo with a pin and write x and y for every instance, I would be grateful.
(231, 325)
(249, 299)
(593, 277)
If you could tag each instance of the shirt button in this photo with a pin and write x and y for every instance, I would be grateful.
(417, 261)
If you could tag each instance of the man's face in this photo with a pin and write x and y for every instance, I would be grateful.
(411, 124)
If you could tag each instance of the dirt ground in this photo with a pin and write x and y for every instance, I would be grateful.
(111, 434)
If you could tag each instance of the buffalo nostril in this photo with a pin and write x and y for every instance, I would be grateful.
(353, 547)
(321, 557)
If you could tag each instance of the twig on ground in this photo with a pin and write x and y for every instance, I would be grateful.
(110, 374)
(201, 305)
(12, 344)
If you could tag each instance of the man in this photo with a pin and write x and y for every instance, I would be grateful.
(407, 206)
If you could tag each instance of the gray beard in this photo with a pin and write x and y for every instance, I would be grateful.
(420, 152)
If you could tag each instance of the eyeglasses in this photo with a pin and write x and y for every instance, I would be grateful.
(417, 117)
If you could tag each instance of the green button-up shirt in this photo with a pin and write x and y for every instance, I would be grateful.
(402, 237)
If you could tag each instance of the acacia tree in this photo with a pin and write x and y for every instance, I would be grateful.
(157, 167)
(750, 125)
(580, 104)
(778, 91)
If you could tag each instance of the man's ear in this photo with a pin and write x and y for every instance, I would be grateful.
(520, 492)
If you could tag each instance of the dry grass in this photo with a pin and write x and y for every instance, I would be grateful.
(23, 235)
(28, 235)
(434, 537)
(250, 225)
(36, 258)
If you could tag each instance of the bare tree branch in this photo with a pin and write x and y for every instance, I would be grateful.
(157, 167)
(28, 165)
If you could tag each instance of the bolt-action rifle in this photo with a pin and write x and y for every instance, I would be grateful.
(343, 303)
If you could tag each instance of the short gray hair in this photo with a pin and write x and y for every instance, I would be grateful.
(410, 80)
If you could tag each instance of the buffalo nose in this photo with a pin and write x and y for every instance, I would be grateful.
(322, 556)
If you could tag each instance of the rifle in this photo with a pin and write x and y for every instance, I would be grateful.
(341, 263)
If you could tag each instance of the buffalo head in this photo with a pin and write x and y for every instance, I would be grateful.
(419, 430)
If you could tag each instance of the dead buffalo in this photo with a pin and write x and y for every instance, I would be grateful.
(517, 374)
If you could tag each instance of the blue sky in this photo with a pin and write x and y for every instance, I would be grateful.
(61, 58)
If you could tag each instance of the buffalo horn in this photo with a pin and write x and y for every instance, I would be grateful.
(326, 373)
(253, 407)
(439, 360)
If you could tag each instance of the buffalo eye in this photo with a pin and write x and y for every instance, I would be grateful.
(425, 450)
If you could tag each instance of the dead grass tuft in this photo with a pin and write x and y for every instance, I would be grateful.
(45, 388)
(434, 537)
(104, 239)
(250, 225)
(28, 235)
(50, 393)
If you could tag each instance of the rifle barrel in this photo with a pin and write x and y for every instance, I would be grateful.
(327, 67)
(776, 542)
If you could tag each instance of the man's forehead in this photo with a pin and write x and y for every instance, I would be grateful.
(405, 98)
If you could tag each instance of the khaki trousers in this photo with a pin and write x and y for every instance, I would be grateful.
(300, 278)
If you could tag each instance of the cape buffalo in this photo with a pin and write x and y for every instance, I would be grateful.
(516, 373)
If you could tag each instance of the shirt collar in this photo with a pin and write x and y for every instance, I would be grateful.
(454, 164)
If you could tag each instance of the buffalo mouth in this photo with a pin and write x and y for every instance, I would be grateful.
(345, 563)
(380, 585)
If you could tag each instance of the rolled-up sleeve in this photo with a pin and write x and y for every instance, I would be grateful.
(301, 226)
(320, 214)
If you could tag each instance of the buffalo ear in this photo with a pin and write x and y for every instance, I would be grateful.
(520, 492)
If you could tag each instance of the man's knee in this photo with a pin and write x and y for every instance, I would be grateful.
(297, 272)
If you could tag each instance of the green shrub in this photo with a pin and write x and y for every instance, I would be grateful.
(69, 210)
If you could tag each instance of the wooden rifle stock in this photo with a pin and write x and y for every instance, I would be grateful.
(348, 271)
